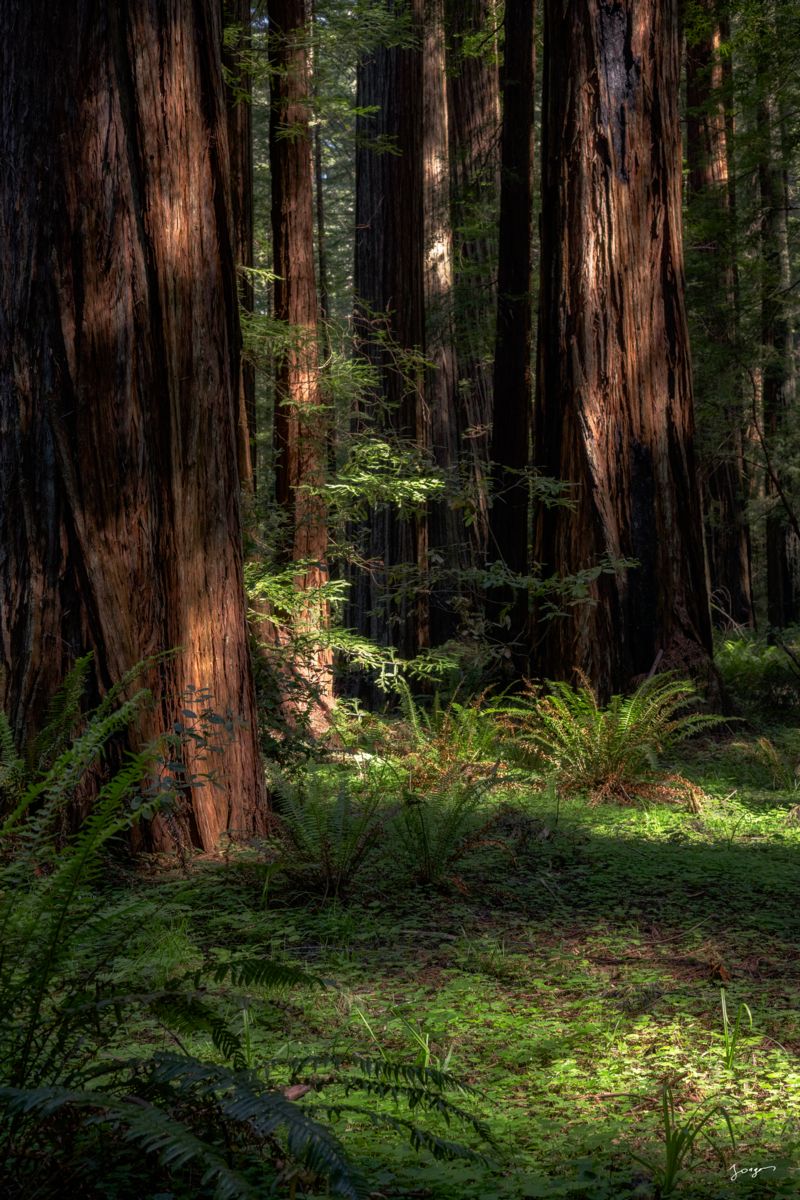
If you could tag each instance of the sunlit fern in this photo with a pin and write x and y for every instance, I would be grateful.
(604, 752)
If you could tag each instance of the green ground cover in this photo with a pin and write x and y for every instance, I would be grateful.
(570, 969)
(535, 948)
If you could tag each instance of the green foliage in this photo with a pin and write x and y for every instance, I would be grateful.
(447, 775)
(762, 679)
(121, 1124)
(679, 1141)
(328, 823)
(436, 830)
(732, 1032)
(603, 752)
(380, 472)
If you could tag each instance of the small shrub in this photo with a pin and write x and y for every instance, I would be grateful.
(607, 752)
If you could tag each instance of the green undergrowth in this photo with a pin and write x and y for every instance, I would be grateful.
(570, 969)
(480, 955)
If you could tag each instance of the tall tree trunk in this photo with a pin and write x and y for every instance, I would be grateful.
(712, 211)
(445, 525)
(236, 14)
(119, 375)
(300, 425)
(779, 383)
(614, 400)
(512, 400)
(473, 89)
(390, 604)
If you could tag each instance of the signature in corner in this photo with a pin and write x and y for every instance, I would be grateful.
(749, 1172)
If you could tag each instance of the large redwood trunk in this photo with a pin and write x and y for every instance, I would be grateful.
(119, 374)
(512, 393)
(719, 387)
(614, 400)
(390, 602)
(300, 421)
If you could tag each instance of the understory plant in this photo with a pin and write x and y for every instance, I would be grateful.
(606, 752)
(327, 824)
(680, 1138)
(438, 826)
(85, 1078)
(732, 1031)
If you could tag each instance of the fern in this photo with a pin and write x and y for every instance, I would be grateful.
(13, 770)
(438, 827)
(219, 1126)
(603, 752)
(325, 834)
(63, 717)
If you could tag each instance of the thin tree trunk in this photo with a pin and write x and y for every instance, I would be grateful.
(300, 424)
(473, 88)
(240, 146)
(779, 387)
(119, 377)
(512, 399)
(614, 398)
(446, 527)
(390, 603)
(711, 203)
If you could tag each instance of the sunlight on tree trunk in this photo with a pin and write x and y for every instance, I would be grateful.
(614, 404)
(119, 377)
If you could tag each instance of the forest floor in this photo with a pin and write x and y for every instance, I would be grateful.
(570, 970)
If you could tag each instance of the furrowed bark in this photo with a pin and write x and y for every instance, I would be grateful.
(300, 421)
(119, 377)
(614, 400)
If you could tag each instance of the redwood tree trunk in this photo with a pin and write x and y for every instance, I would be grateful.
(240, 145)
(512, 399)
(473, 89)
(300, 422)
(390, 603)
(447, 538)
(779, 382)
(119, 374)
(614, 399)
(719, 388)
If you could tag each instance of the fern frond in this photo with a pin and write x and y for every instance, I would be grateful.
(242, 1098)
(143, 1124)
(63, 716)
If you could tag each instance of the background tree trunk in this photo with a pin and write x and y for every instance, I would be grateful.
(236, 14)
(719, 388)
(445, 524)
(473, 89)
(119, 375)
(391, 605)
(779, 382)
(300, 423)
(614, 400)
(512, 399)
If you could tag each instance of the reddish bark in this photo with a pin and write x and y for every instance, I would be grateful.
(236, 13)
(119, 373)
(473, 88)
(300, 423)
(614, 403)
(712, 196)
